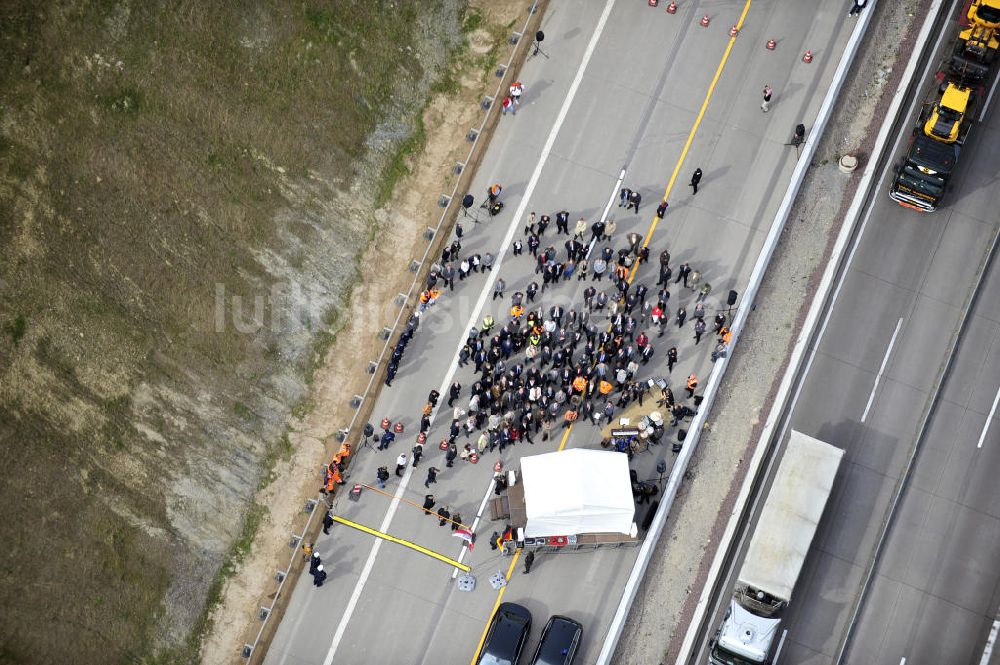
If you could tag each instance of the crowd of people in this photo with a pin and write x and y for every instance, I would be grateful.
(542, 367)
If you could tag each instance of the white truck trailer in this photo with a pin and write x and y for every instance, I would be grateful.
(777, 551)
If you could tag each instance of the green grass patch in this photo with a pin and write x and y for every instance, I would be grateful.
(303, 407)
(243, 411)
(127, 101)
(16, 329)
(398, 167)
(472, 21)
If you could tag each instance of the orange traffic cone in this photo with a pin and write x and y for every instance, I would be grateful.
(398, 428)
(771, 44)
(672, 7)
(443, 445)
(733, 31)
(808, 57)
(704, 21)
(653, 3)
(421, 438)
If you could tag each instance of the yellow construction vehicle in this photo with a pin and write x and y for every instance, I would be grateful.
(946, 117)
(985, 13)
(975, 51)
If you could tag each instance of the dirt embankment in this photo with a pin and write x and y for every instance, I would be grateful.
(187, 193)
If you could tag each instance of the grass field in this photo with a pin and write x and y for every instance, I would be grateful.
(149, 152)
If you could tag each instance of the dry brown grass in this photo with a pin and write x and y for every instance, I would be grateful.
(147, 152)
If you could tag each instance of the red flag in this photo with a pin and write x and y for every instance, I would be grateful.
(467, 536)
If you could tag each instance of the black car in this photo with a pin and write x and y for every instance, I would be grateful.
(560, 640)
(506, 637)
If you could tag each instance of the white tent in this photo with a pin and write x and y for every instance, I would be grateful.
(577, 491)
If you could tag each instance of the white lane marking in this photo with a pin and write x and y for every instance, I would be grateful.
(990, 643)
(781, 644)
(486, 292)
(989, 419)
(604, 216)
(590, 247)
(369, 564)
(986, 106)
(475, 523)
(902, 661)
(885, 361)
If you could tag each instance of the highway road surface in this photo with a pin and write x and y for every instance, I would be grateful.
(882, 349)
(625, 86)
(935, 593)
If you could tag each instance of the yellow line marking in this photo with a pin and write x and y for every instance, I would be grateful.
(649, 235)
(697, 123)
(680, 160)
(562, 444)
(400, 541)
(496, 605)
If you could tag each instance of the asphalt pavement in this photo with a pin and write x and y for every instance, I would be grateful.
(622, 87)
(935, 594)
(882, 349)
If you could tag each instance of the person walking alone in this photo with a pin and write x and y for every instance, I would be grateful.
(699, 330)
(765, 105)
(695, 179)
(529, 560)
(432, 476)
(671, 358)
(682, 273)
(400, 465)
(857, 7)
